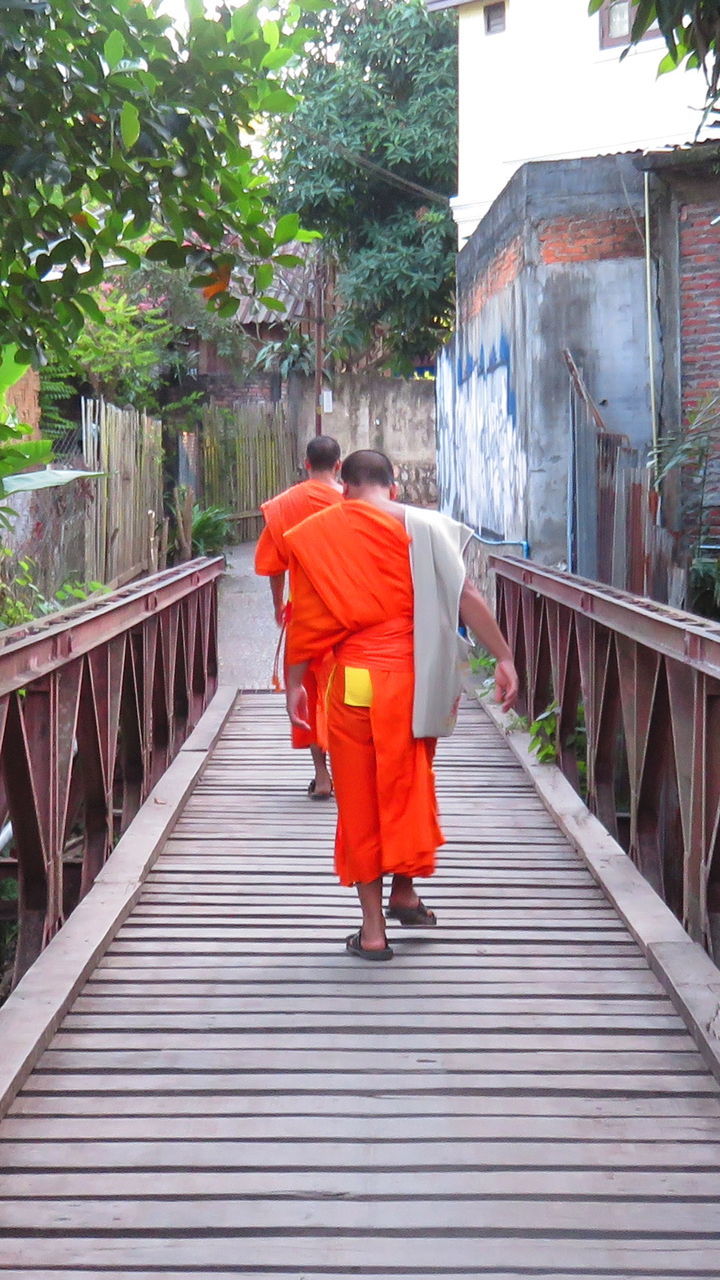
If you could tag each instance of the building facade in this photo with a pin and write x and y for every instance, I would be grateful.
(543, 81)
(558, 264)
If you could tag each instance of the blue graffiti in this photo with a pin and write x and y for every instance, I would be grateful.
(482, 458)
(483, 368)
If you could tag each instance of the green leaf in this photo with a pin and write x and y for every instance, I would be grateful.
(166, 251)
(44, 480)
(668, 63)
(271, 34)
(129, 124)
(278, 100)
(273, 304)
(244, 21)
(263, 275)
(11, 371)
(277, 58)
(287, 259)
(90, 307)
(286, 228)
(129, 256)
(113, 49)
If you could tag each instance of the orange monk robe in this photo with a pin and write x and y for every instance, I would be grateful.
(359, 600)
(271, 557)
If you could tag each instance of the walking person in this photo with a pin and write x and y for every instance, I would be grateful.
(321, 489)
(387, 599)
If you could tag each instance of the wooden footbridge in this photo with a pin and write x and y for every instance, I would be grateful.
(199, 1082)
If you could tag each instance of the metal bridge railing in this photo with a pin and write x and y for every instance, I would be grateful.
(94, 704)
(637, 690)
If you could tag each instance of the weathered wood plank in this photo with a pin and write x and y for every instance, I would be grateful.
(633, 1185)
(686, 1107)
(445, 1215)
(231, 1095)
(358, 1153)
(318, 1128)
(368, 1083)
(396, 1254)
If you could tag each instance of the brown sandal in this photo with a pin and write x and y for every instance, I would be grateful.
(318, 795)
(418, 917)
(353, 944)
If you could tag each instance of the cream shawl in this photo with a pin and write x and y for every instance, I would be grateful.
(440, 653)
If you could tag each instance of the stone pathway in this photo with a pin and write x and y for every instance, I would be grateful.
(248, 634)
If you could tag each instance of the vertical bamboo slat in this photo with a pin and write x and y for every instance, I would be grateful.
(127, 447)
(248, 455)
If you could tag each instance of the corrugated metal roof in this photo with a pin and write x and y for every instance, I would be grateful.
(681, 155)
(294, 286)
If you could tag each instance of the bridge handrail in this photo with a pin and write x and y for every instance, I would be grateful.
(95, 702)
(640, 683)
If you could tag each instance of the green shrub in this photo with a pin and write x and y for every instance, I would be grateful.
(211, 529)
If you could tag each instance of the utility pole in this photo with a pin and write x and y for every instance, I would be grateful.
(319, 338)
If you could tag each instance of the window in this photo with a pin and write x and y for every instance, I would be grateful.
(616, 19)
(494, 18)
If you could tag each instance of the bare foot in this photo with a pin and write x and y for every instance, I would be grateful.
(373, 941)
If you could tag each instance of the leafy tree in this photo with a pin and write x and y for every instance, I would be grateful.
(121, 135)
(183, 305)
(369, 157)
(141, 354)
(125, 356)
(692, 34)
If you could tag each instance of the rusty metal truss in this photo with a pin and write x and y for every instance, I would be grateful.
(94, 704)
(637, 689)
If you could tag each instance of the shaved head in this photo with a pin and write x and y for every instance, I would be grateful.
(322, 453)
(368, 467)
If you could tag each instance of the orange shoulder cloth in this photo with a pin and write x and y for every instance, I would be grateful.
(296, 504)
(355, 556)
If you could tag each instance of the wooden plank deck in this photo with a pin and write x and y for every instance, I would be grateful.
(233, 1096)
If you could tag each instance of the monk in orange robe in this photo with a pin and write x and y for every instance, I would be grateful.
(359, 601)
(321, 489)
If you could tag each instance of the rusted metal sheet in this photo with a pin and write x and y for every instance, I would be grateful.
(94, 704)
(613, 532)
(637, 686)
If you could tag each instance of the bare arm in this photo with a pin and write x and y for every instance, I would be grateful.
(475, 615)
(277, 588)
(296, 696)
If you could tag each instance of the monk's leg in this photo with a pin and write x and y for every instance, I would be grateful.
(402, 893)
(358, 849)
(372, 935)
(323, 781)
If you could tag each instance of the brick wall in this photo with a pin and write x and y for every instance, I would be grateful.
(559, 241)
(699, 281)
(699, 303)
(583, 239)
(500, 272)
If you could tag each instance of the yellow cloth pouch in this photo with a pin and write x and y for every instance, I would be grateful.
(358, 687)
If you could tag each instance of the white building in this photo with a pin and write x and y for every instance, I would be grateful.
(540, 80)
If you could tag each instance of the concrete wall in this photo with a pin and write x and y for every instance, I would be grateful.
(557, 263)
(395, 415)
(544, 89)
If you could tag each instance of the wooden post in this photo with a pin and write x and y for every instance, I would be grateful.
(152, 545)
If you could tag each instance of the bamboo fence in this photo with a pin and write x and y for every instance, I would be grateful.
(248, 454)
(122, 532)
